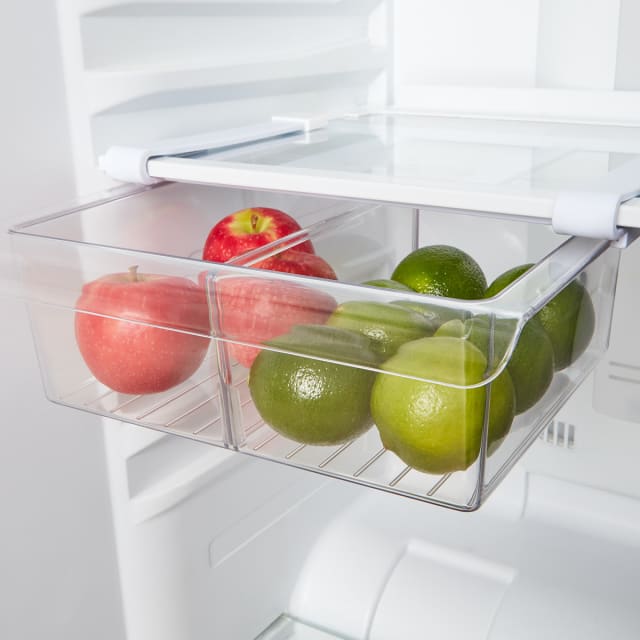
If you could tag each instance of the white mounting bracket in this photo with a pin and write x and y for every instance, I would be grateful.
(129, 164)
(593, 211)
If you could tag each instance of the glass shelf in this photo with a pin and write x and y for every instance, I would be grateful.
(509, 167)
(286, 628)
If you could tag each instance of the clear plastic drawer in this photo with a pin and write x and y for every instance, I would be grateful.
(309, 354)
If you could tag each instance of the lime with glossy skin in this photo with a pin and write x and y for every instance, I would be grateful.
(505, 279)
(314, 401)
(531, 362)
(433, 427)
(387, 325)
(568, 319)
(442, 270)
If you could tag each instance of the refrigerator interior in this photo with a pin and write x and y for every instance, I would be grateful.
(213, 544)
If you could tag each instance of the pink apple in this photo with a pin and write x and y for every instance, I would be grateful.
(257, 309)
(124, 351)
(249, 229)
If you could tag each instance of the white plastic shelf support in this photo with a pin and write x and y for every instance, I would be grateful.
(593, 212)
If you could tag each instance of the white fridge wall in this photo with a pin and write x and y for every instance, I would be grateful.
(59, 578)
(539, 59)
(212, 550)
(200, 66)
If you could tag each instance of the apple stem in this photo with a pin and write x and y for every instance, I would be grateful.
(133, 273)
(254, 222)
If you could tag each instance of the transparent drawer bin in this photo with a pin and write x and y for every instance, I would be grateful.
(331, 375)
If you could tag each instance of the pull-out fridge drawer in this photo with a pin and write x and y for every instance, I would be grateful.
(187, 361)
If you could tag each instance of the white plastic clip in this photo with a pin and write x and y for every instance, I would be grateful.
(311, 124)
(305, 121)
(593, 212)
(129, 164)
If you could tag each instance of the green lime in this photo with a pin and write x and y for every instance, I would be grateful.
(313, 401)
(433, 427)
(568, 319)
(385, 283)
(531, 363)
(386, 325)
(505, 279)
(442, 270)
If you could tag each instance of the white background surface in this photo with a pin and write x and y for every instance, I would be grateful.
(57, 558)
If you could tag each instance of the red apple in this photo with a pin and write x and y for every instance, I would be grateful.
(249, 229)
(304, 264)
(258, 309)
(124, 351)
